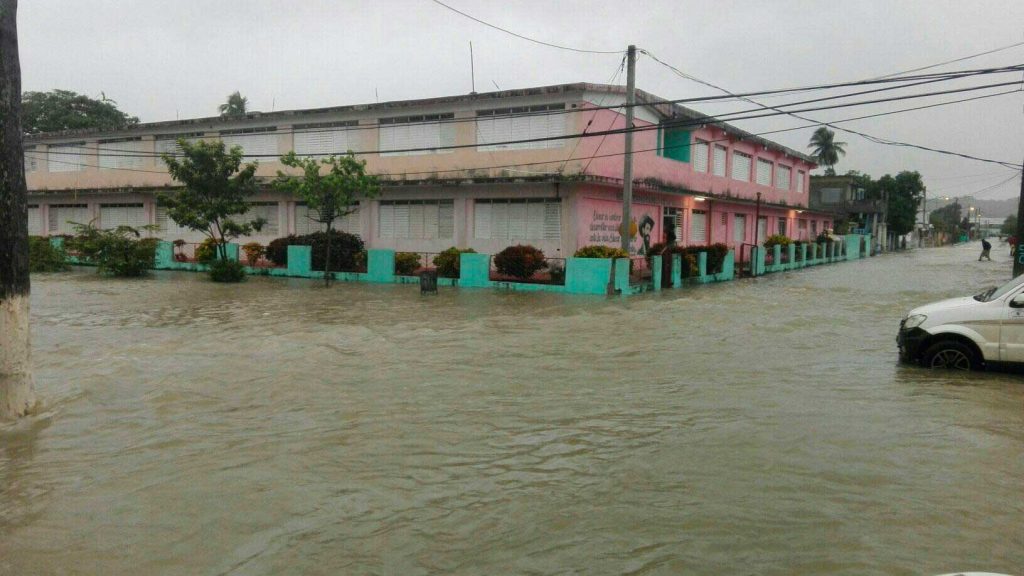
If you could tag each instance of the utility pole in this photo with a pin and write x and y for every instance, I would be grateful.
(1018, 264)
(627, 167)
(924, 219)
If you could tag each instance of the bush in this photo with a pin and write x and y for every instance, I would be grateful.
(345, 249)
(716, 257)
(44, 256)
(206, 252)
(118, 252)
(253, 252)
(447, 262)
(406, 263)
(520, 261)
(601, 251)
(777, 240)
(277, 250)
(226, 271)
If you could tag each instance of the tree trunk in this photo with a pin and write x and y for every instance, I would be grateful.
(327, 263)
(16, 390)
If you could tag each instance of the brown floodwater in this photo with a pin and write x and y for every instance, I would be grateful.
(278, 427)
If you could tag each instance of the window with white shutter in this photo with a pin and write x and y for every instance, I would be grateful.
(783, 174)
(800, 181)
(718, 165)
(741, 166)
(114, 215)
(698, 227)
(416, 219)
(31, 159)
(414, 135)
(324, 139)
(258, 144)
(62, 216)
(700, 156)
(762, 229)
(66, 157)
(781, 227)
(269, 211)
(120, 154)
(35, 221)
(307, 221)
(518, 219)
(495, 128)
(168, 143)
(764, 172)
(739, 228)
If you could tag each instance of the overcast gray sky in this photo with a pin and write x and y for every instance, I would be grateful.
(165, 59)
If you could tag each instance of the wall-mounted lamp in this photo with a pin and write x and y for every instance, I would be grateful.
(699, 198)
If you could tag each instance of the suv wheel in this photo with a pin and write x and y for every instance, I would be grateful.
(950, 355)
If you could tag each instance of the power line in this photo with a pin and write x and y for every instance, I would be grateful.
(613, 154)
(875, 139)
(517, 112)
(527, 38)
(993, 51)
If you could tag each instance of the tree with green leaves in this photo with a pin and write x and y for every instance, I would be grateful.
(66, 110)
(826, 149)
(236, 105)
(214, 190)
(946, 219)
(329, 195)
(1009, 226)
(904, 192)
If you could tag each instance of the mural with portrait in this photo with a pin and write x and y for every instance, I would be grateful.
(600, 222)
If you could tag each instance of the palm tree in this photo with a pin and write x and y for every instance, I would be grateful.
(826, 149)
(235, 106)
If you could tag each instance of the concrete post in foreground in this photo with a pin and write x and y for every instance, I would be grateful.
(17, 395)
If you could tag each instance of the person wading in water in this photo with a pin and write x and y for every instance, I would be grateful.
(986, 247)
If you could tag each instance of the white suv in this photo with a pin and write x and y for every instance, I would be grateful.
(967, 333)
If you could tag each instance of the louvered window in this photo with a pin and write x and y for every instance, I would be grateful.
(121, 154)
(67, 157)
(415, 135)
(800, 181)
(169, 227)
(325, 139)
(31, 159)
(114, 215)
(258, 144)
(168, 143)
(718, 166)
(518, 219)
(741, 166)
(762, 228)
(698, 227)
(269, 211)
(416, 219)
(700, 156)
(62, 216)
(739, 228)
(764, 172)
(782, 227)
(307, 221)
(783, 175)
(494, 128)
(35, 221)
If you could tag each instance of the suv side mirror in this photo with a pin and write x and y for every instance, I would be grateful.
(1017, 301)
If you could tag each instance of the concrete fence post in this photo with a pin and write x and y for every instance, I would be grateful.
(656, 272)
(702, 267)
(791, 255)
(587, 275)
(164, 257)
(776, 258)
(728, 266)
(300, 261)
(622, 275)
(474, 270)
(677, 270)
(380, 265)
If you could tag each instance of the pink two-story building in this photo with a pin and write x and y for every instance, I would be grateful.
(481, 171)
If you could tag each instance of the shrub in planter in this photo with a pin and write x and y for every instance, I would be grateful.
(406, 263)
(277, 250)
(716, 257)
(520, 261)
(345, 248)
(226, 271)
(117, 252)
(447, 262)
(777, 239)
(206, 252)
(253, 252)
(601, 251)
(44, 256)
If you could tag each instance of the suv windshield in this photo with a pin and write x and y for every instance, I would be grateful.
(996, 293)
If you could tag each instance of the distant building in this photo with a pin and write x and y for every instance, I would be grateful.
(479, 171)
(840, 195)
